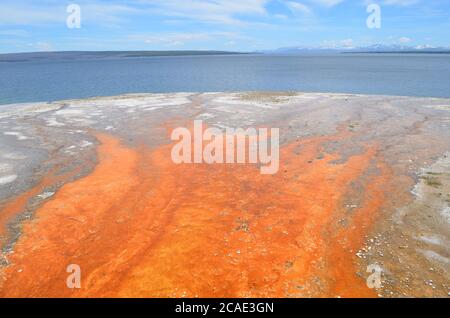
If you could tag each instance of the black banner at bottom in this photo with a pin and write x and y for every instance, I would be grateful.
(214, 307)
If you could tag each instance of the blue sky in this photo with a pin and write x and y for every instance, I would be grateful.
(233, 25)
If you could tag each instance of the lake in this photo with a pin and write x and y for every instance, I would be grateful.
(426, 75)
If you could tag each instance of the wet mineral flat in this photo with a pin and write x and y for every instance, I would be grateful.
(363, 181)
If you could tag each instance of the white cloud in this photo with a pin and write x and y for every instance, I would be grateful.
(348, 43)
(28, 13)
(178, 39)
(342, 44)
(281, 16)
(211, 11)
(110, 15)
(404, 40)
(13, 14)
(298, 7)
(44, 46)
(400, 2)
(424, 47)
(15, 33)
(326, 3)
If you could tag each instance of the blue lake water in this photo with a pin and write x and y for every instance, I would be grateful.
(425, 75)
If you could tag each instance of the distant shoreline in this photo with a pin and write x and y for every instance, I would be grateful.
(83, 55)
(72, 55)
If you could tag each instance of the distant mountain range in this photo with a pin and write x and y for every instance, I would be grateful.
(376, 48)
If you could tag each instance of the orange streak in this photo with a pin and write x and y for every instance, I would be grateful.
(141, 226)
(12, 208)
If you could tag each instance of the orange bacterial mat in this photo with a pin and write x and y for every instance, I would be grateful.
(141, 226)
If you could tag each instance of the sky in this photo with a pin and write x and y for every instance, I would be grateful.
(231, 25)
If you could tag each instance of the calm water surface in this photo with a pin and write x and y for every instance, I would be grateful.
(392, 74)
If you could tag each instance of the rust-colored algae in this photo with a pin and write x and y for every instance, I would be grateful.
(16, 206)
(141, 226)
